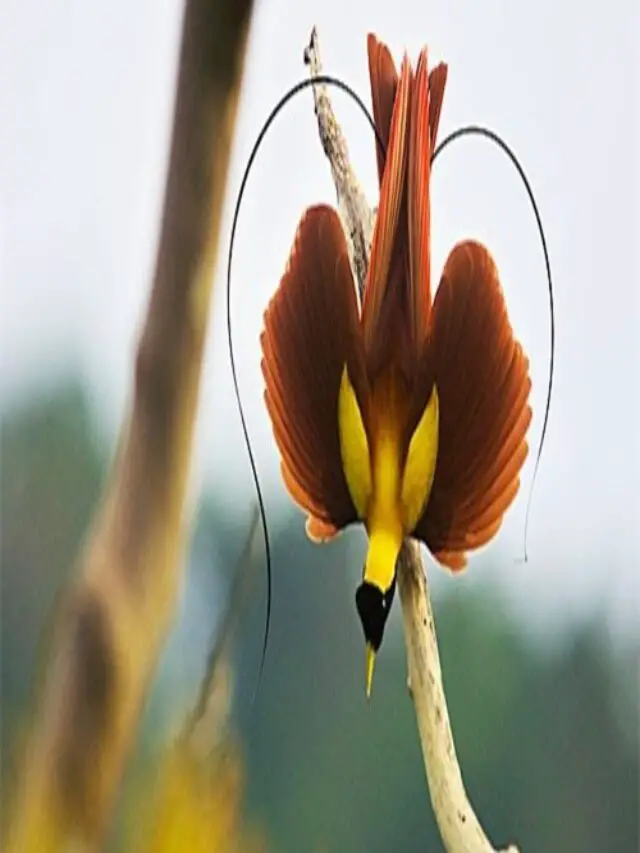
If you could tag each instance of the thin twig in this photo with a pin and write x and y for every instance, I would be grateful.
(122, 599)
(215, 668)
(459, 827)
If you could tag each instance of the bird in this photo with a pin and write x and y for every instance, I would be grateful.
(406, 412)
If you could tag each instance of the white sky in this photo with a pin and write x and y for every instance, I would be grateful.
(86, 92)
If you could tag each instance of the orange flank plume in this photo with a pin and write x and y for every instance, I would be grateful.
(409, 416)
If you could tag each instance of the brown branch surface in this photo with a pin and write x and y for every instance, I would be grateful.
(459, 827)
(122, 599)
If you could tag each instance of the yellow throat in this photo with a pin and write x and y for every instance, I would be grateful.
(389, 487)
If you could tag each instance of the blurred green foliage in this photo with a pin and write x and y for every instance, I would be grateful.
(547, 735)
(51, 467)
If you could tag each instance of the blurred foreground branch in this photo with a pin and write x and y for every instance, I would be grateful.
(194, 801)
(459, 827)
(121, 602)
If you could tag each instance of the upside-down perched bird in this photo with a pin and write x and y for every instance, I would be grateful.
(410, 414)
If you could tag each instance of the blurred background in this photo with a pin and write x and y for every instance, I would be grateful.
(540, 658)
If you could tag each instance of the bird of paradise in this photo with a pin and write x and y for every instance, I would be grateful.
(407, 414)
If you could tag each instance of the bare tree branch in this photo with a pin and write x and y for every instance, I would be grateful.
(354, 210)
(122, 599)
(459, 827)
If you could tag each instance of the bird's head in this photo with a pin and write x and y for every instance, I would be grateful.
(373, 606)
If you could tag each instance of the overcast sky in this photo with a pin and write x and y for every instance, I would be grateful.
(86, 93)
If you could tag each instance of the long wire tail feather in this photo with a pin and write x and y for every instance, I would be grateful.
(220, 646)
(487, 133)
(284, 100)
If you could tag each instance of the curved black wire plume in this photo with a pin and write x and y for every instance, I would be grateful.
(284, 100)
(487, 133)
(469, 130)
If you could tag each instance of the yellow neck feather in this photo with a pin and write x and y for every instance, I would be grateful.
(385, 522)
(380, 565)
(389, 484)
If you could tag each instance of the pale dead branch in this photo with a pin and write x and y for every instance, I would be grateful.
(459, 827)
(353, 207)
